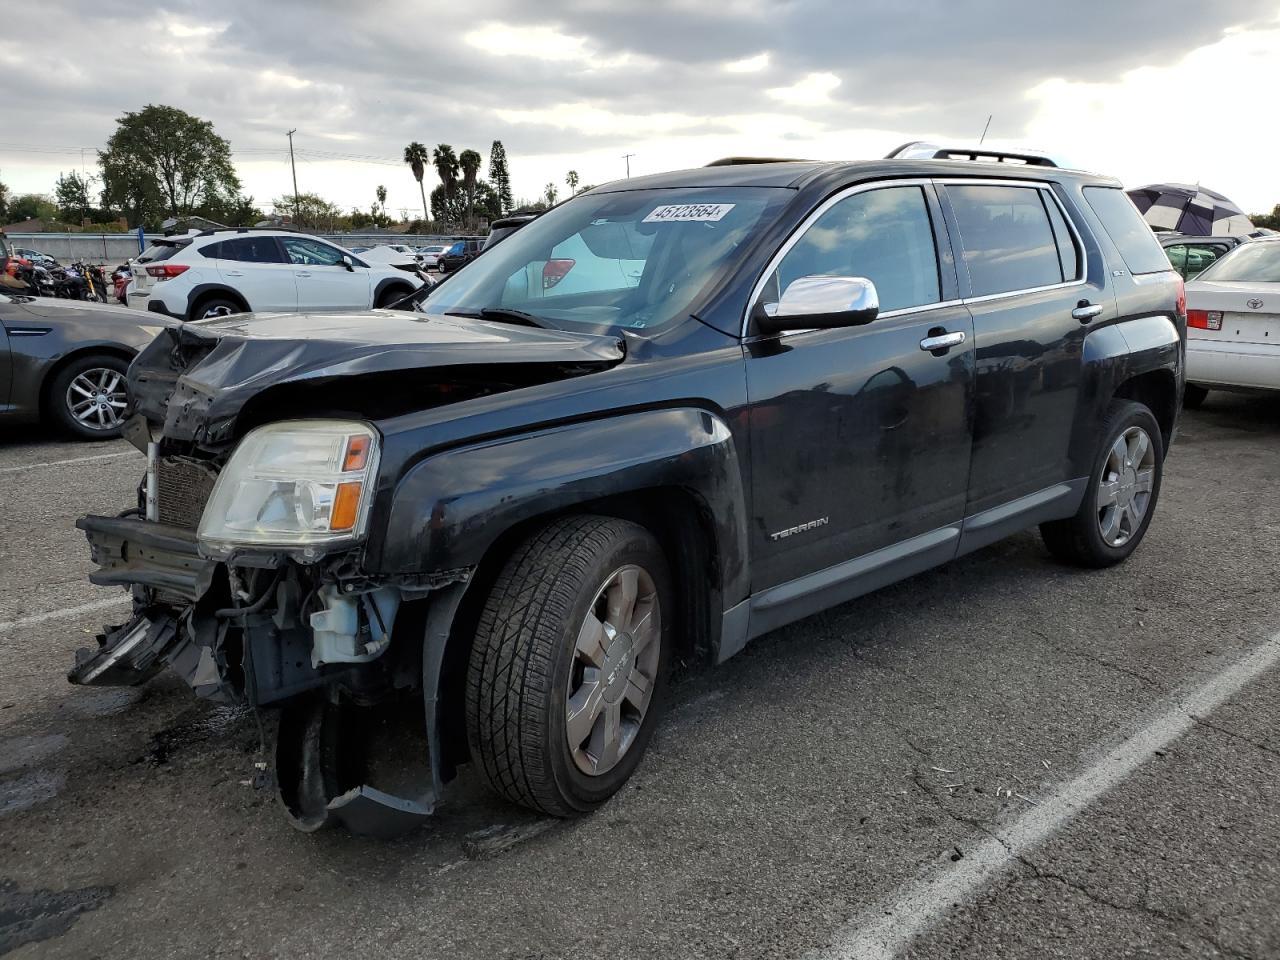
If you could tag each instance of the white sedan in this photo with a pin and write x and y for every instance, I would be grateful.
(1233, 323)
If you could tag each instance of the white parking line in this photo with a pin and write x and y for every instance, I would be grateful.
(885, 929)
(60, 463)
(63, 614)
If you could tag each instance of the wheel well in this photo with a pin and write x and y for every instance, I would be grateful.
(393, 288)
(682, 525)
(1157, 391)
(207, 295)
(96, 351)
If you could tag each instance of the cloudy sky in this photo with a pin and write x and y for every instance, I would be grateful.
(1148, 90)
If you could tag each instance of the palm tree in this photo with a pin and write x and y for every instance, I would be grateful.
(381, 194)
(446, 164)
(571, 181)
(549, 193)
(470, 162)
(417, 156)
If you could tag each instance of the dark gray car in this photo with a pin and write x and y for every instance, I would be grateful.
(63, 361)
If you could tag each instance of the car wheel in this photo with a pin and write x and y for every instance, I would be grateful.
(1193, 396)
(568, 665)
(215, 307)
(1122, 493)
(88, 397)
(391, 297)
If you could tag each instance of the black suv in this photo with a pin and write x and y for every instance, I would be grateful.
(459, 255)
(667, 416)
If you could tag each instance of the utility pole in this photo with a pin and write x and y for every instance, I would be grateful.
(627, 157)
(984, 130)
(294, 167)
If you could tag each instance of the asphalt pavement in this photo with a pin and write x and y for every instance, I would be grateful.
(1001, 758)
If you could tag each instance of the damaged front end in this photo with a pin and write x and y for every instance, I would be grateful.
(311, 637)
(245, 553)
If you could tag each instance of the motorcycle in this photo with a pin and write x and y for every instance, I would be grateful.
(121, 277)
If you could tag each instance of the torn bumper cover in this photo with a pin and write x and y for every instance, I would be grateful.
(263, 653)
(159, 562)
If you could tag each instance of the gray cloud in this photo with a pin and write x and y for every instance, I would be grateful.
(364, 78)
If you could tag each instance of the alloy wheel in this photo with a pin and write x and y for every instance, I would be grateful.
(97, 398)
(614, 670)
(1125, 487)
(218, 310)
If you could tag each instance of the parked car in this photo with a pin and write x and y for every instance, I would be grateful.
(430, 255)
(499, 230)
(1191, 256)
(525, 501)
(460, 254)
(1233, 320)
(64, 362)
(36, 257)
(221, 272)
(394, 255)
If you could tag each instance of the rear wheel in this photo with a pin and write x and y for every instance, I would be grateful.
(567, 668)
(88, 397)
(1193, 396)
(215, 307)
(1122, 493)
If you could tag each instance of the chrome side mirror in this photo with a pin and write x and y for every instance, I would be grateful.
(821, 303)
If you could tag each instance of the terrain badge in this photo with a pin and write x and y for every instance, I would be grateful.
(800, 528)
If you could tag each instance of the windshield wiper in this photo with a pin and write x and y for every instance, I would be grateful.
(500, 313)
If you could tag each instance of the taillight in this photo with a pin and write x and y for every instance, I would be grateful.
(554, 271)
(164, 271)
(1181, 307)
(1205, 319)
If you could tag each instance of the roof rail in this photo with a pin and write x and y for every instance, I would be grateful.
(923, 150)
(740, 161)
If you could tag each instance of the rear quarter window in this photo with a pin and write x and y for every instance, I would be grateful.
(1138, 246)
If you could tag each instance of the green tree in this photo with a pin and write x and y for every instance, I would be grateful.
(163, 161)
(447, 207)
(4, 203)
(572, 180)
(381, 194)
(500, 176)
(470, 162)
(72, 197)
(417, 157)
(1271, 221)
(32, 206)
(446, 164)
(313, 212)
(549, 194)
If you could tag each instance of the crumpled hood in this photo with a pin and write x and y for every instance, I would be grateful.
(196, 377)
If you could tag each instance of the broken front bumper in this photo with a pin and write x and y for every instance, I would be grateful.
(167, 574)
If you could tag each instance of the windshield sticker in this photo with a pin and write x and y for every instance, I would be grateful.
(689, 213)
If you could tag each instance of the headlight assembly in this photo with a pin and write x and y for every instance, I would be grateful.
(297, 485)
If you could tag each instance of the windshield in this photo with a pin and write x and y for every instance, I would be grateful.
(1249, 262)
(637, 259)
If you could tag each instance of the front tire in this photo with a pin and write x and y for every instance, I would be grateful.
(1122, 493)
(567, 670)
(88, 397)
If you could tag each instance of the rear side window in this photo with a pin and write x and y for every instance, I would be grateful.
(159, 251)
(884, 235)
(1007, 239)
(1068, 253)
(251, 250)
(1138, 246)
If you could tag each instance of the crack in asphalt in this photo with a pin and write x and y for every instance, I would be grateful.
(1209, 724)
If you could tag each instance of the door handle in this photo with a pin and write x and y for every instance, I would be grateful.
(233, 273)
(1086, 311)
(942, 341)
(301, 273)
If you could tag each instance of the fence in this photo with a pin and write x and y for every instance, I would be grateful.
(113, 248)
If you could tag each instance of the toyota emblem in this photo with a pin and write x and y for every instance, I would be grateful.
(1255, 304)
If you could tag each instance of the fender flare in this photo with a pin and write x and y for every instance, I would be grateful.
(387, 282)
(200, 289)
(449, 509)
